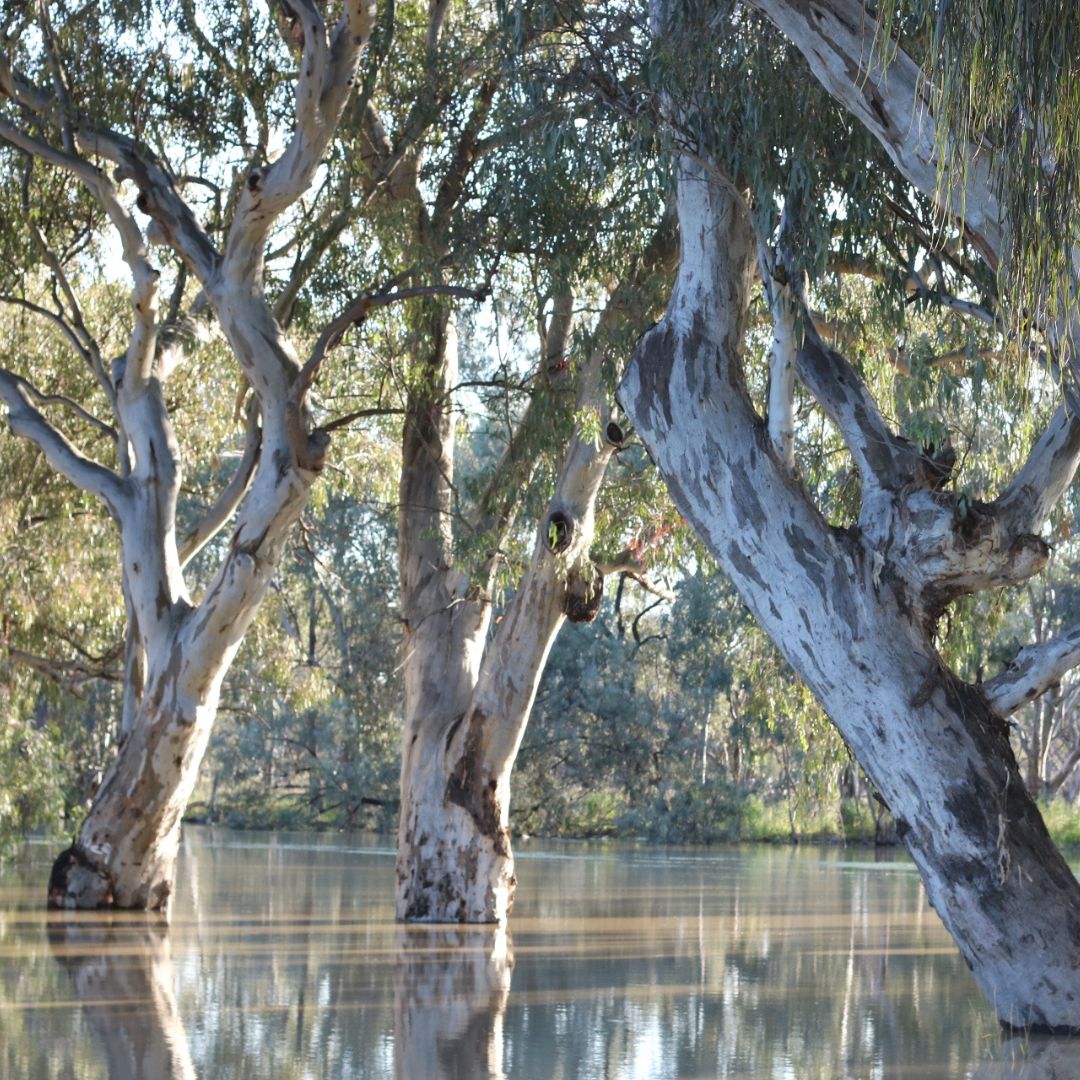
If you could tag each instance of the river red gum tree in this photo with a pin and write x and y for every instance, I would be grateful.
(179, 646)
(469, 689)
(854, 610)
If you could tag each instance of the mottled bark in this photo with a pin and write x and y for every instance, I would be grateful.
(853, 611)
(468, 699)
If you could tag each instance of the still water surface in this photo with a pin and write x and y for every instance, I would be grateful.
(282, 960)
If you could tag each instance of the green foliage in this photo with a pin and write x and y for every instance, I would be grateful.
(1006, 79)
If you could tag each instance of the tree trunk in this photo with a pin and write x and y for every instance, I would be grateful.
(853, 610)
(125, 854)
(177, 651)
(444, 633)
(468, 700)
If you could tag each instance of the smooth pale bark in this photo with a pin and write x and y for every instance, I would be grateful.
(855, 620)
(450, 993)
(468, 700)
(885, 89)
(455, 850)
(177, 647)
(123, 977)
(444, 631)
(125, 853)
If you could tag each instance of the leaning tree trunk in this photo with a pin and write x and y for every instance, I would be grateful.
(853, 609)
(125, 852)
(178, 650)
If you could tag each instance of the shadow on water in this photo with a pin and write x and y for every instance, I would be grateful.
(1033, 1058)
(122, 972)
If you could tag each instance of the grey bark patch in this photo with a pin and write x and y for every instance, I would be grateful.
(652, 361)
(741, 564)
(745, 499)
(808, 555)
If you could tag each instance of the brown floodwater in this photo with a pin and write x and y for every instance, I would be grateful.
(282, 960)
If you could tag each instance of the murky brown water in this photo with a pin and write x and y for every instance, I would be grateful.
(282, 960)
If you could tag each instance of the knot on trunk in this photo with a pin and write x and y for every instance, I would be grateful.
(310, 449)
(584, 592)
(76, 881)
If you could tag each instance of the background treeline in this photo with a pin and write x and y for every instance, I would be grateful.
(670, 718)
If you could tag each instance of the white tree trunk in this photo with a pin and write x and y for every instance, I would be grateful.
(125, 853)
(852, 610)
(177, 649)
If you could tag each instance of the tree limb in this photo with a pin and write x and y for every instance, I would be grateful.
(327, 72)
(27, 421)
(1033, 671)
(1047, 473)
(885, 460)
(228, 500)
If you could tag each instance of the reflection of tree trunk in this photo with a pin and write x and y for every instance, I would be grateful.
(123, 975)
(1032, 1057)
(450, 993)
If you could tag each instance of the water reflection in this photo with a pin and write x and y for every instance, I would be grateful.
(122, 973)
(283, 960)
(451, 987)
(1033, 1058)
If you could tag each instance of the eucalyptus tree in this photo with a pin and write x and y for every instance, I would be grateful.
(855, 607)
(485, 167)
(91, 101)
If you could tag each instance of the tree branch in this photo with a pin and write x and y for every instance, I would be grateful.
(27, 421)
(1049, 470)
(1033, 671)
(70, 674)
(215, 518)
(843, 45)
(782, 358)
(310, 449)
(327, 72)
(885, 460)
(177, 225)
